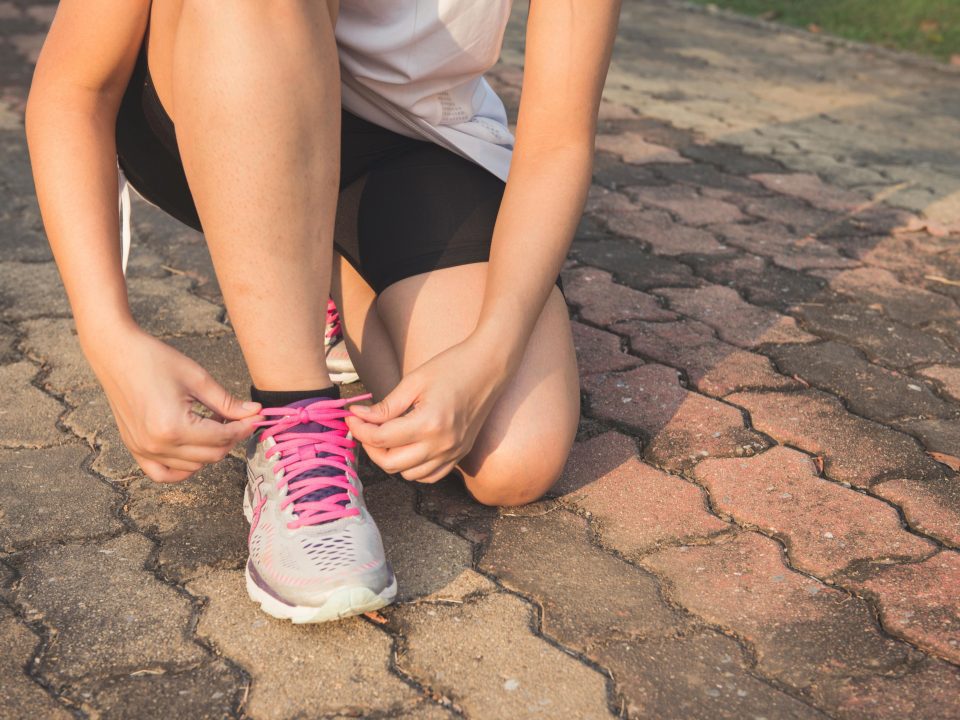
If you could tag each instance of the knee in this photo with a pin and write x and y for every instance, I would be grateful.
(508, 478)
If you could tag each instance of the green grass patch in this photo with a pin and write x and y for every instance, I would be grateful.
(931, 27)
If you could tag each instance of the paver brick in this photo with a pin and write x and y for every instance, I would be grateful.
(22, 698)
(713, 367)
(599, 351)
(686, 204)
(890, 342)
(658, 230)
(634, 266)
(111, 615)
(919, 601)
(633, 149)
(632, 506)
(735, 320)
(905, 303)
(854, 450)
(931, 506)
(758, 279)
(483, 655)
(947, 377)
(352, 657)
(91, 419)
(681, 427)
(711, 181)
(936, 435)
(795, 214)
(30, 415)
(804, 633)
(604, 302)
(867, 389)
(46, 496)
(783, 247)
(811, 188)
(824, 526)
(448, 503)
(8, 344)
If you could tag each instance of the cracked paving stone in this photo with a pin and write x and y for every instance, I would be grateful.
(867, 389)
(825, 526)
(198, 523)
(22, 698)
(909, 305)
(30, 415)
(483, 655)
(426, 558)
(632, 506)
(919, 601)
(46, 496)
(599, 351)
(587, 595)
(786, 249)
(758, 280)
(804, 633)
(854, 450)
(8, 343)
(931, 506)
(632, 266)
(686, 204)
(111, 616)
(811, 188)
(947, 377)
(349, 660)
(682, 427)
(713, 367)
(604, 302)
(207, 692)
(53, 342)
(449, 503)
(890, 342)
(91, 419)
(735, 320)
(700, 676)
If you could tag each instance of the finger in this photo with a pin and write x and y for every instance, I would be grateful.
(400, 459)
(436, 475)
(395, 404)
(215, 397)
(160, 473)
(202, 454)
(392, 433)
(209, 432)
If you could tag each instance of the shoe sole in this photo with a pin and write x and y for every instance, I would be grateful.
(344, 378)
(341, 603)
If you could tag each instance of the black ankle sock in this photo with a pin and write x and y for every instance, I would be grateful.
(278, 398)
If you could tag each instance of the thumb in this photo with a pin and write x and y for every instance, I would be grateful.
(214, 396)
(395, 404)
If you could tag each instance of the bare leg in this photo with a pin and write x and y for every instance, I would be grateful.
(523, 446)
(254, 91)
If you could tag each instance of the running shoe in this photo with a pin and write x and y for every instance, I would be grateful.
(315, 551)
(339, 364)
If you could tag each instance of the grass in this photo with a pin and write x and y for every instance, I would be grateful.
(930, 27)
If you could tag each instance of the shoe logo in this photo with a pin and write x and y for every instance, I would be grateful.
(256, 503)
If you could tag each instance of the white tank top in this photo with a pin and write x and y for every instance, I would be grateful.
(416, 67)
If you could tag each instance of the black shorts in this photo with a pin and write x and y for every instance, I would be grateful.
(406, 206)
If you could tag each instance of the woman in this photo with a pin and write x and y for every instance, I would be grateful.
(298, 134)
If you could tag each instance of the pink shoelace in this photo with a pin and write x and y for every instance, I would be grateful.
(334, 331)
(301, 452)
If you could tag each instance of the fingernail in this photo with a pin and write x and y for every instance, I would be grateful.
(251, 406)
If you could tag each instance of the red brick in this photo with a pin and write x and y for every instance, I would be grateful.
(599, 351)
(910, 305)
(854, 450)
(604, 302)
(663, 234)
(786, 249)
(948, 377)
(811, 188)
(633, 506)
(824, 525)
(635, 150)
(682, 427)
(921, 602)
(687, 204)
(804, 633)
(735, 320)
(929, 690)
(931, 507)
(713, 367)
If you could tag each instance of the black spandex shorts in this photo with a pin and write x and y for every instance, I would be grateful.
(406, 206)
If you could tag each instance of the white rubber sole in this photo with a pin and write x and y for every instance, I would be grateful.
(344, 378)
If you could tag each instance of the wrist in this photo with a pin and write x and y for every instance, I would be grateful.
(108, 331)
(500, 346)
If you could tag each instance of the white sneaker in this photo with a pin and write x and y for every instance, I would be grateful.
(315, 551)
(339, 364)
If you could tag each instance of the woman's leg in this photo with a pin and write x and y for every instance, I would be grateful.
(254, 92)
(523, 446)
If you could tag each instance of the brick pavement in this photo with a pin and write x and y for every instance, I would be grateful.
(761, 516)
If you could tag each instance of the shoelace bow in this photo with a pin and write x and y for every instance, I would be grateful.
(334, 331)
(308, 450)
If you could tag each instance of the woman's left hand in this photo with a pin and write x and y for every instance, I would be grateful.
(431, 419)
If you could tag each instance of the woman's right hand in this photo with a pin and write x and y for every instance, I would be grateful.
(152, 389)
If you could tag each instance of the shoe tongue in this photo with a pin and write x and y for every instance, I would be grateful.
(323, 470)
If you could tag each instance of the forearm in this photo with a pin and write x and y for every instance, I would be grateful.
(541, 208)
(70, 133)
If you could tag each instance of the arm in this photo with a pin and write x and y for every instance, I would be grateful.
(568, 52)
(81, 75)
